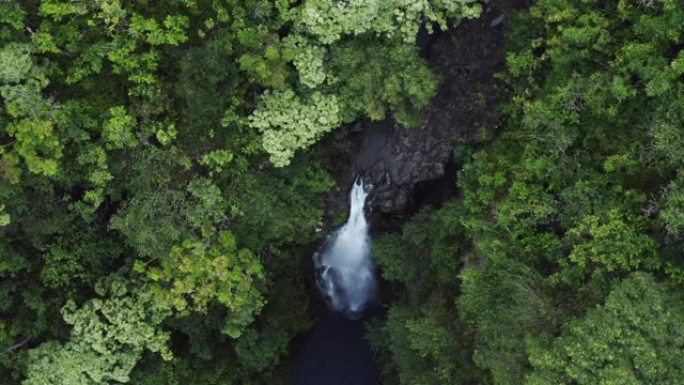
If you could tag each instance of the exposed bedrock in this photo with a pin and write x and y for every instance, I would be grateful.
(394, 159)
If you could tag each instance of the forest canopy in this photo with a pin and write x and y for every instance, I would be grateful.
(565, 245)
(164, 171)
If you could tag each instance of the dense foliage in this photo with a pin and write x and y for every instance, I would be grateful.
(160, 182)
(566, 241)
(150, 231)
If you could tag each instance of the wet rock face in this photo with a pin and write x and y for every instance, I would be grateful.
(394, 158)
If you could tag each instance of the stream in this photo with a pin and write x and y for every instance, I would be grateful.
(337, 352)
(408, 168)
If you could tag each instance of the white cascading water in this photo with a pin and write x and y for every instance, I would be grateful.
(345, 271)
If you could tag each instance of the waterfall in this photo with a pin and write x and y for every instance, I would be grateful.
(344, 265)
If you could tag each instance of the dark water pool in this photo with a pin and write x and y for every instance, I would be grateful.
(337, 354)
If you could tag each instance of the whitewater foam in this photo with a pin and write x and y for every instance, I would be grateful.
(345, 271)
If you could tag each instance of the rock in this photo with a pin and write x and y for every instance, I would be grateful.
(497, 21)
(394, 158)
(356, 128)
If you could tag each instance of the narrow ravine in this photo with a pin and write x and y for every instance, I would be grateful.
(408, 169)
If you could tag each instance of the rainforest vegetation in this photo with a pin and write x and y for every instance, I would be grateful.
(164, 173)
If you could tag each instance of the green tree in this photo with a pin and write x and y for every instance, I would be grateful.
(108, 337)
(288, 122)
(504, 302)
(423, 340)
(202, 270)
(636, 337)
(352, 59)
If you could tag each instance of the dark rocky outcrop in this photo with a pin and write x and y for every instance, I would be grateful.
(394, 159)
